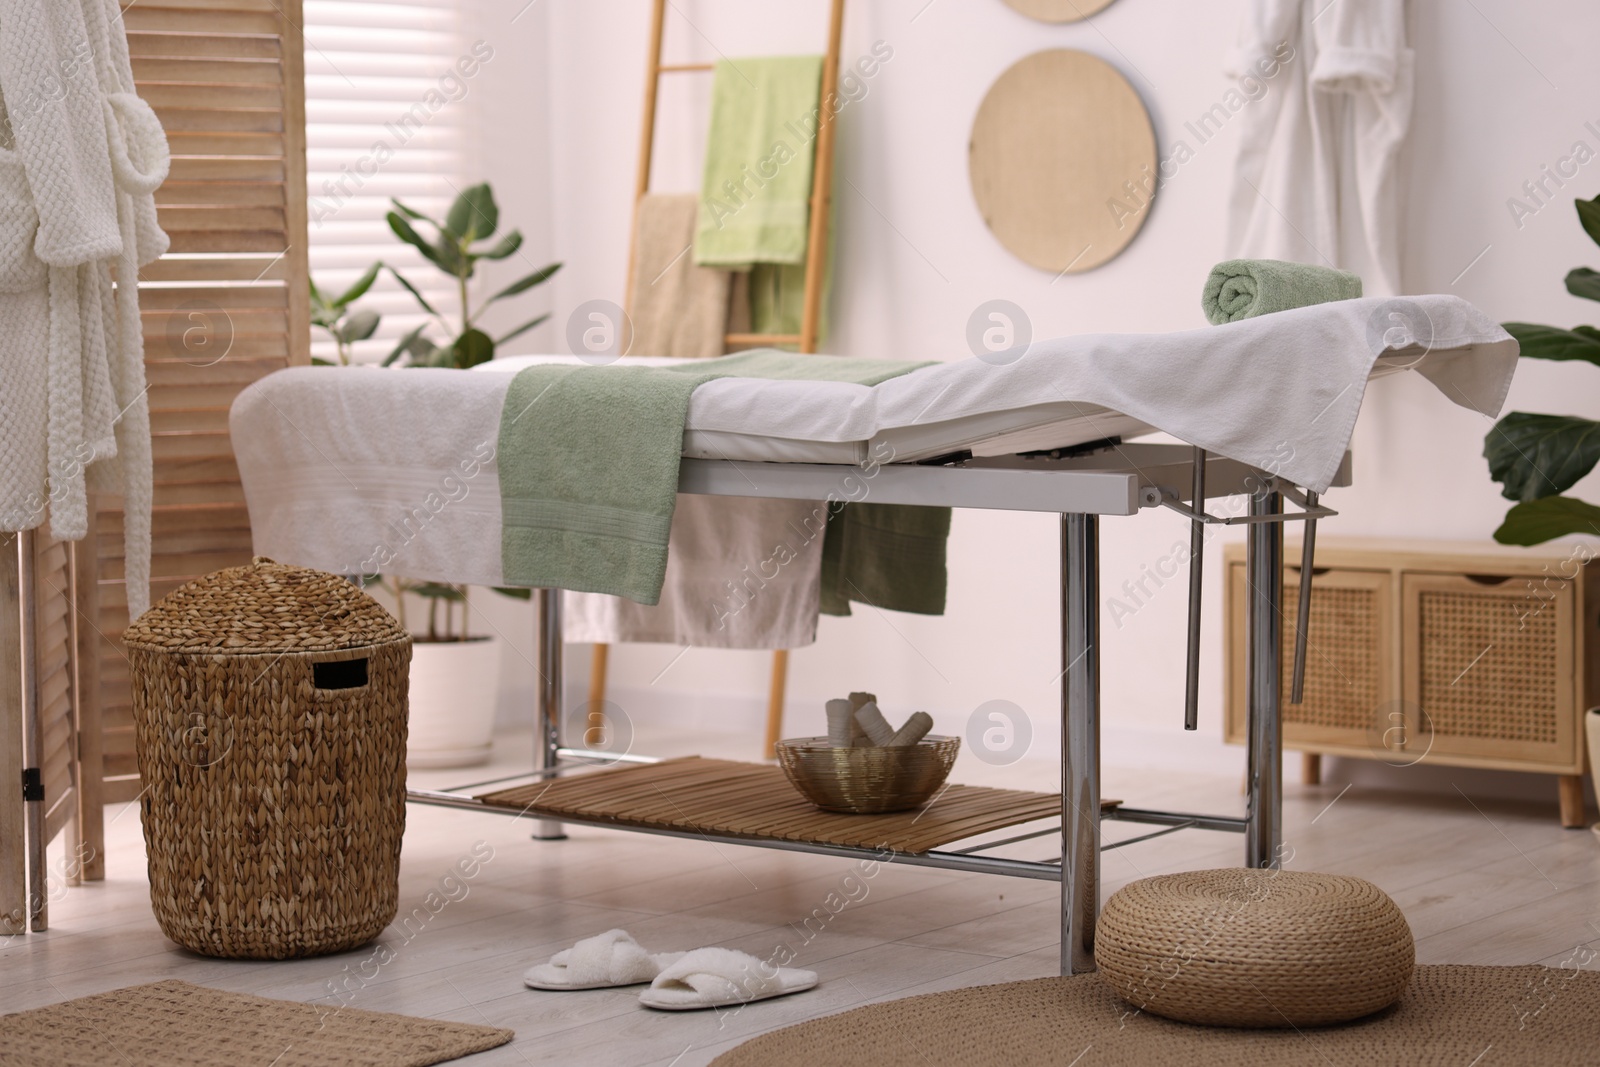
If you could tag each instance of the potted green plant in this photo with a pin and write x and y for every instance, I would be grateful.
(1537, 458)
(455, 679)
(342, 321)
(473, 218)
(455, 674)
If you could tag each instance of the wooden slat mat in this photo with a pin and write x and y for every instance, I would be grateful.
(756, 801)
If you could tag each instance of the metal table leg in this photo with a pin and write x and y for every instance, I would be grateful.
(552, 692)
(1264, 666)
(1080, 741)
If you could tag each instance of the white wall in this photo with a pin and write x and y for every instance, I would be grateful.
(512, 150)
(1502, 88)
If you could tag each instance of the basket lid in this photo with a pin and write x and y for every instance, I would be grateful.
(264, 607)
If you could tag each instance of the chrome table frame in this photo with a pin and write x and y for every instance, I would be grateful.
(1080, 487)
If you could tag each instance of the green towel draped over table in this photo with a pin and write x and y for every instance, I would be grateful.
(887, 556)
(588, 464)
(1244, 288)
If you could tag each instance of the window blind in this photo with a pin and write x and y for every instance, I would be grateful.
(389, 113)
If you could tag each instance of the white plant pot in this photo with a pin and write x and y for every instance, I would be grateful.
(455, 689)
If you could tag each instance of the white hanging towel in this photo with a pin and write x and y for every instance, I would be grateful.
(741, 573)
(1317, 179)
(81, 159)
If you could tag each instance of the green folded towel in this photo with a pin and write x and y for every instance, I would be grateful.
(1244, 288)
(588, 464)
(885, 555)
(755, 195)
(778, 300)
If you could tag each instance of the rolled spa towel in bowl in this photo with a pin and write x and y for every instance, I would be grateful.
(877, 728)
(1244, 288)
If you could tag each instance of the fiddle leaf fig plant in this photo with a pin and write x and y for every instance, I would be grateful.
(1537, 458)
(341, 320)
(456, 247)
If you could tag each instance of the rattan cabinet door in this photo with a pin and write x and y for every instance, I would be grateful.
(1488, 669)
(1351, 681)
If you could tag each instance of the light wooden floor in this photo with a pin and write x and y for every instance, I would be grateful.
(1481, 881)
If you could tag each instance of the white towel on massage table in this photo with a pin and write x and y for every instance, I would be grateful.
(1280, 392)
(356, 469)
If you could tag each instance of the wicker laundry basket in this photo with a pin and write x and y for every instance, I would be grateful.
(269, 707)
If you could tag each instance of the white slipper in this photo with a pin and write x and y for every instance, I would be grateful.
(718, 977)
(613, 958)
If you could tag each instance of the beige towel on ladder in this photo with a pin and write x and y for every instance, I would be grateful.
(741, 572)
(678, 309)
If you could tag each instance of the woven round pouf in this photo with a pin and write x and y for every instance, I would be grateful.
(269, 709)
(1256, 948)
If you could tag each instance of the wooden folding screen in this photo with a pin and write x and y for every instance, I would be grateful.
(226, 306)
(13, 811)
(38, 669)
(56, 659)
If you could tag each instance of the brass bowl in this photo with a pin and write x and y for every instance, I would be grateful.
(868, 781)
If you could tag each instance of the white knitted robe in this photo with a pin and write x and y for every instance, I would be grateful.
(77, 220)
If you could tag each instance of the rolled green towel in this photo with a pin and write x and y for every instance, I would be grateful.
(1244, 288)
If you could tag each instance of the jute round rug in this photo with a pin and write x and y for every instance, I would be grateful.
(1449, 1016)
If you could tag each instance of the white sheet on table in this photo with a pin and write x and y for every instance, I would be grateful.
(1280, 392)
(345, 469)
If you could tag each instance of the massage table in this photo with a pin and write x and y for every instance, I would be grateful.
(354, 470)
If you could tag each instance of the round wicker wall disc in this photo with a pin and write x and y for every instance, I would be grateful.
(1061, 158)
(1447, 1016)
(1059, 10)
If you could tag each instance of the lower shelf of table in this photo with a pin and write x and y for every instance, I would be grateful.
(755, 802)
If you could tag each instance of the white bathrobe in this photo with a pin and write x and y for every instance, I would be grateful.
(81, 158)
(1317, 179)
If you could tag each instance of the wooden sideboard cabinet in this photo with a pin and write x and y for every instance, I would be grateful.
(1452, 653)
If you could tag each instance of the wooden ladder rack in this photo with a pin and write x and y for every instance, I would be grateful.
(816, 268)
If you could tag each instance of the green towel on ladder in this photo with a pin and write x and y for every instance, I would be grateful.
(755, 193)
(778, 298)
(588, 463)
